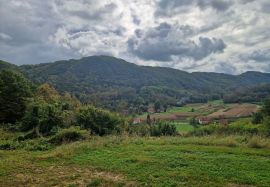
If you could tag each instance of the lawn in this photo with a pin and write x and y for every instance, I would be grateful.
(127, 161)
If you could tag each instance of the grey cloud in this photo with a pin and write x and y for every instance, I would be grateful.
(266, 7)
(220, 5)
(223, 67)
(260, 55)
(165, 41)
(169, 7)
(98, 14)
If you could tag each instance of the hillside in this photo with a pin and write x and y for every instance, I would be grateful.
(6, 65)
(119, 85)
(104, 70)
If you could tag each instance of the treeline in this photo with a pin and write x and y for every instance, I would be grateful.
(252, 94)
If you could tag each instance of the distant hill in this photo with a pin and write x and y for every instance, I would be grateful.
(116, 84)
(7, 65)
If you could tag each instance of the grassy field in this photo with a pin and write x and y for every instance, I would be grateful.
(183, 127)
(128, 161)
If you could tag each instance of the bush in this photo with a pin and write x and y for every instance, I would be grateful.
(238, 127)
(101, 122)
(139, 129)
(163, 129)
(42, 117)
(257, 118)
(257, 142)
(71, 134)
(8, 145)
(41, 144)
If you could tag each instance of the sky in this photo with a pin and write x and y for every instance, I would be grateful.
(225, 36)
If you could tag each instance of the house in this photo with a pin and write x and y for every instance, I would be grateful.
(204, 120)
(137, 121)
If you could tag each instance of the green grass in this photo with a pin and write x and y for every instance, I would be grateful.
(164, 161)
(183, 127)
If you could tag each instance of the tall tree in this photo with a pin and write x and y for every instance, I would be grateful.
(266, 107)
(157, 106)
(14, 90)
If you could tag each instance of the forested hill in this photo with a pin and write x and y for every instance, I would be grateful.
(6, 65)
(110, 71)
(110, 82)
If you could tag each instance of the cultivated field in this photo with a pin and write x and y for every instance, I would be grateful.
(215, 110)
(126, 161)
(235, 111)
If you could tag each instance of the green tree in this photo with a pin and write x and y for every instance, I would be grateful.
(266, 108)
(267, 125)
(157, 106)
(257, 118)
(14, 91)
(148, 119)
(165, 107)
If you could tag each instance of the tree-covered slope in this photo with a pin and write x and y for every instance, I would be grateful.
(110, 82)
(104, 70)
(6, 65)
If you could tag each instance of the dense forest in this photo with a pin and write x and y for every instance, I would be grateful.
(124, 87)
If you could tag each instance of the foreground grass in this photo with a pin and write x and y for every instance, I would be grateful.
(127, 161)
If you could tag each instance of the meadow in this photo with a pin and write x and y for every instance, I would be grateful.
(142, 161)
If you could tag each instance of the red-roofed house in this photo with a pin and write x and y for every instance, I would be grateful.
(204, 120)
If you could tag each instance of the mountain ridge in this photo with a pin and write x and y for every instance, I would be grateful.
(111, 82)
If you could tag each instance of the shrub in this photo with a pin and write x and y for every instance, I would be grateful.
(42, 117)
(163, 129)
(41, 144)
(238, 127)
(8, 145)
(257, 142)
(139, 129)
(101, 122)
(71, 134)
(257, 118)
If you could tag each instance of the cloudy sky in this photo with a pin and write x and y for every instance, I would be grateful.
(229, 36)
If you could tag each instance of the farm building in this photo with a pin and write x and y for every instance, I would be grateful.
(204, 120)
(136, 121)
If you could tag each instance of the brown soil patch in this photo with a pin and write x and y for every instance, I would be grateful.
(237, 111)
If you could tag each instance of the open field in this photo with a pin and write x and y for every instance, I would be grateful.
(182, 127)
(127, 161)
